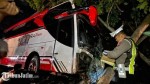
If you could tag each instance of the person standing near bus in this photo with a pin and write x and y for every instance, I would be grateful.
(125, 51)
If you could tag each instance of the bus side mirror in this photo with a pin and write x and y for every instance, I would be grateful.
(93, 15)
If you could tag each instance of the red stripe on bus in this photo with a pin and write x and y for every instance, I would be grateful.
(22, 33)
(36, 15)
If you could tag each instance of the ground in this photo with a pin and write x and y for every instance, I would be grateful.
(141, 77)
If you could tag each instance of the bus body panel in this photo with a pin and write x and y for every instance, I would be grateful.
(21, 46)
(42, 42)
(63, 55)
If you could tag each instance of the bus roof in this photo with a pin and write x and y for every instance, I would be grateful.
(37, 15)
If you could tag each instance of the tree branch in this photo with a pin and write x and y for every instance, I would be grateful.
(141, 28)
(141, 39)
(118, 8)
(130, 27)
(109, 14)
(107, 26)
(144, 58)
(107, 77)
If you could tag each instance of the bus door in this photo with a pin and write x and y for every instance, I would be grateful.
(63, 52)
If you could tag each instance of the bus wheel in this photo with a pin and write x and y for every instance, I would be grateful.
(33, 64)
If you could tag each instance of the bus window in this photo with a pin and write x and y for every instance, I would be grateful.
(89, 37)
(87, 34)
(65, 31)
(50, 22)
(20, 29)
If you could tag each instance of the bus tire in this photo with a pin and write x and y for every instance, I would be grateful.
(33, 64)
(3, 48)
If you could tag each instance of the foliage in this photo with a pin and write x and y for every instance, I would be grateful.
(39, 5)
(105, 7)
(114, 12)
(144, 5)
(35, 4)
(147, 33)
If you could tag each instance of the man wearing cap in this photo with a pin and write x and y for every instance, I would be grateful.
(125, 51)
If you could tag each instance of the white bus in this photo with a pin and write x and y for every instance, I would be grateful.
(54, 41)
